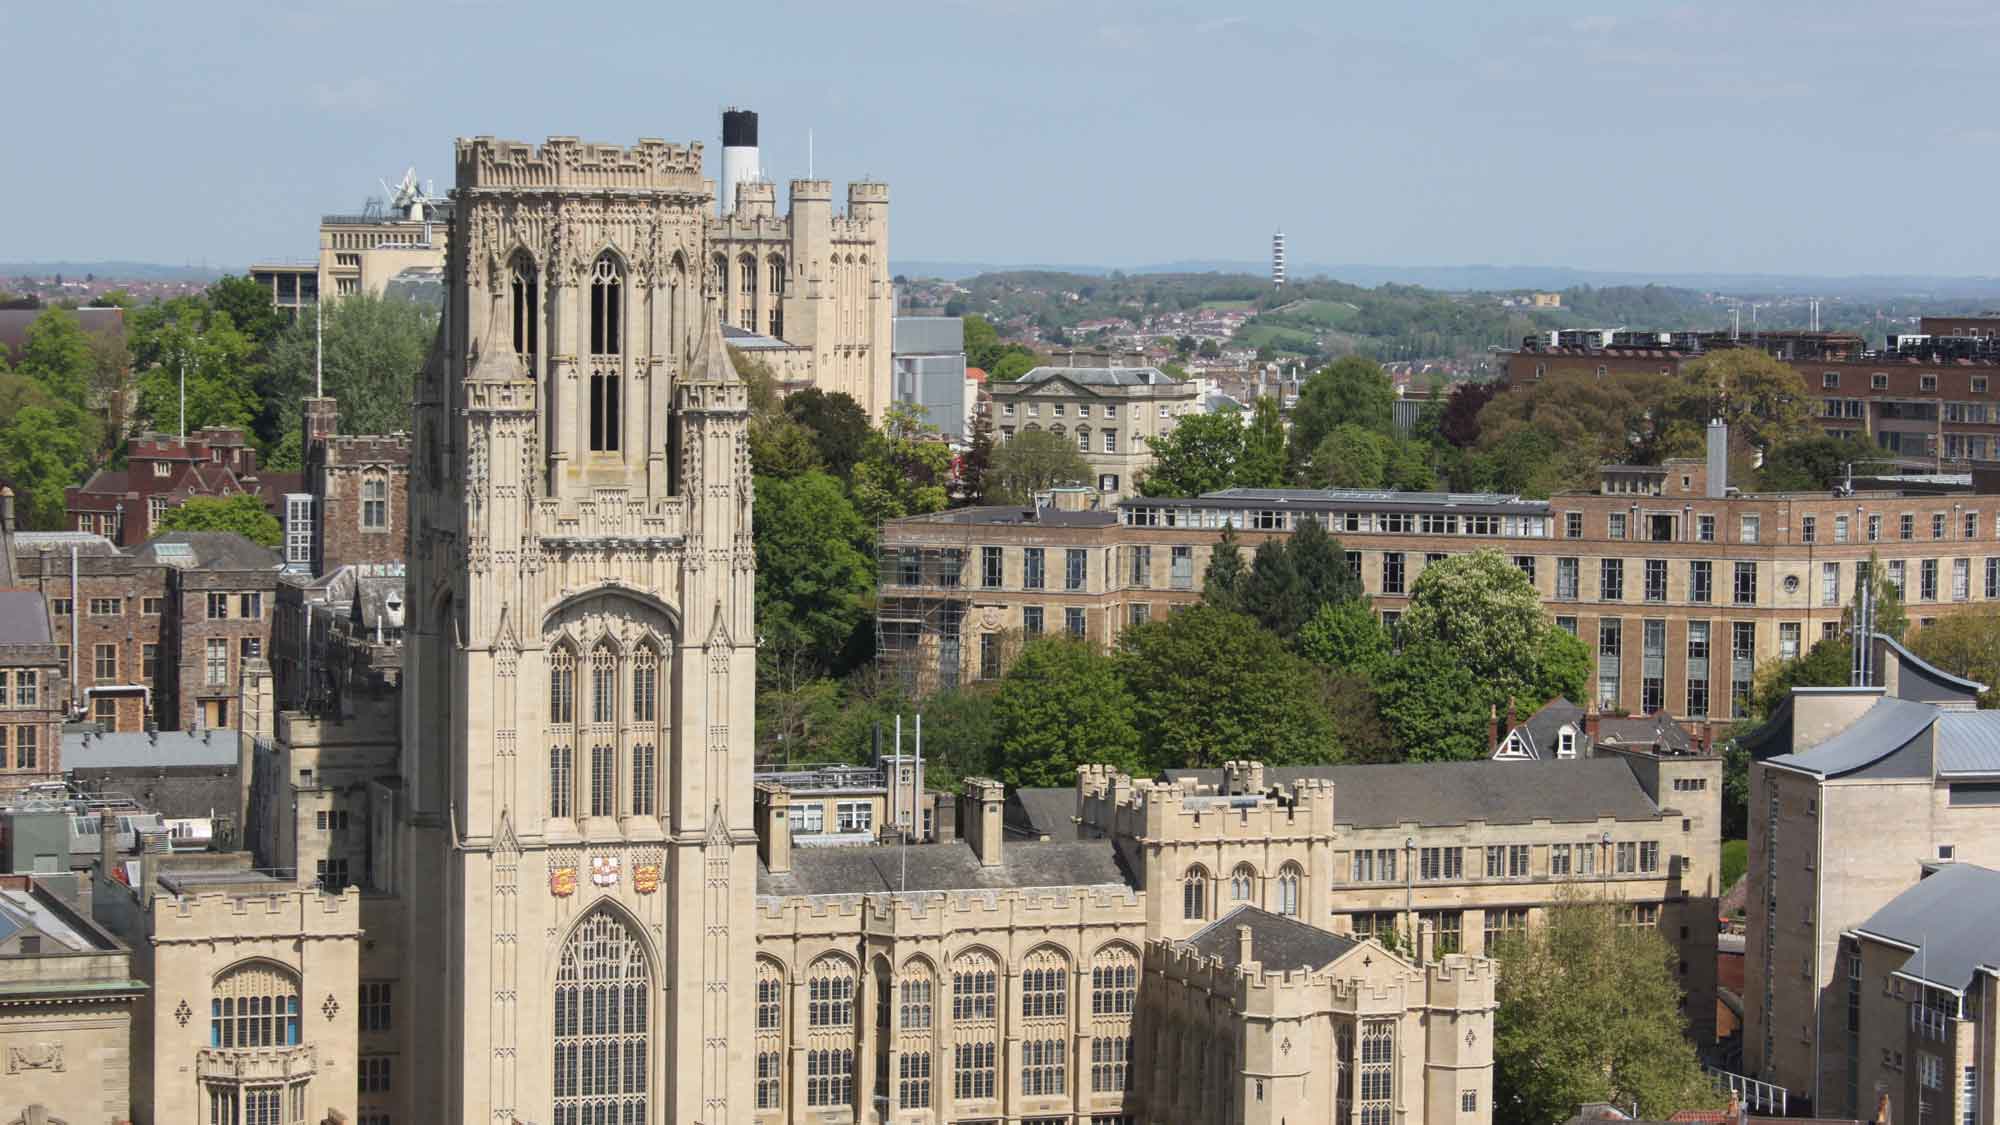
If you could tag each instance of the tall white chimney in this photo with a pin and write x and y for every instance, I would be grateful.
(1718, 459)
(739, 156)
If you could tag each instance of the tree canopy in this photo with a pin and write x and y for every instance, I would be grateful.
(1349, 390)
(1763, 399)
(1030, 462)
(1589, 1011)
(1202, 454)
(374, 349)
(1061, 705)
(814, 578)
(242, 513)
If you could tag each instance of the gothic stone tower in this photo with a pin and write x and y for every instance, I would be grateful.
(576, 859)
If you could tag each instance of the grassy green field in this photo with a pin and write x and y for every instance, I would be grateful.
(1227, 306)
(1735, 860)
(1272, 336)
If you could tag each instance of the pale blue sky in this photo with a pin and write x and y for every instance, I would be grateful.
(1825, 137)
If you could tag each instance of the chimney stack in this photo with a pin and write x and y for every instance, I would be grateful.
(107, 844)
(1244, 957)
(6, 508)
(1492, 727)
(980, 812)
(1718, 459)
(774, 827)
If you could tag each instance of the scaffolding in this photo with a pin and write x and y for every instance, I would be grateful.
(923, 598)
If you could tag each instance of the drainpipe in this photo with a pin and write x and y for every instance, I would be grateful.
(74, 612)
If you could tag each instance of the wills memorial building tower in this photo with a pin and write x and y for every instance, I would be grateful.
(576, 859)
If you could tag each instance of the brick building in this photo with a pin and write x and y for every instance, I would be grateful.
(359, 486)
(106, 608)
(163, 472)
(1922, 397)
(220, 588)
(1679, 589)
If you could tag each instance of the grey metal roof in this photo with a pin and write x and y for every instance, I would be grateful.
(1278, 943)
(946, 867)
(1437, 794)
(1951, 918)
(1948, 687)
(1349, 499)
(1097, 377)
(1882, 730)
(751, 341)
(1000, 515)
(125, 749)
(24, 618)
(1968, 742)
(87, 544)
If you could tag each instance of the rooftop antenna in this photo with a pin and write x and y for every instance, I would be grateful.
(319, 351)
(809, 154)
(903, 846)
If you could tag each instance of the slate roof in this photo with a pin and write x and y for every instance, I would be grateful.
(212, 550)
(1646, 730)
(1099, 377)
(1885, 728)
(948, 866)
(1951, 919)
(24, 618)
(1439, 794)
(1045, 812)
(1538, 733)
(1278, 943)
(87, 544)
(130, 749)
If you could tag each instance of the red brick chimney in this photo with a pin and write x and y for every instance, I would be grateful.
(1493, 726)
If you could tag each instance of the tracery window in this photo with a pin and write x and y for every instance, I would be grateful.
(830, 1077)
(603, 767)
(1114, 982)
(1045, 986)
(1194, 894)
(602, 1025)
(604, 685)
(562, 734)
(525, 290)
(254, 1005)
(915, 1006)
(1242, 883)
(1288, 891)
(830, 994)
(607, 299)
(770, 1033)
(974, 988)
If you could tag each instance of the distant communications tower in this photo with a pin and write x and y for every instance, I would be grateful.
(1278, 260)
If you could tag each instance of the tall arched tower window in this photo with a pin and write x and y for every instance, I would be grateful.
(776, 263)
(603, 730)
(746, 279)
(645, 729)
(607, 326)
(721, 287)
(1289, 878)
(525, 289)
(602, 1012)
(562, 732)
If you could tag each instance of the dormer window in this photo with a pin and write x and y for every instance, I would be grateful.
(1566, 743)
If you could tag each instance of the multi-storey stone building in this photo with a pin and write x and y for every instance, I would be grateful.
(1868, 787)
(359, 490)
(67, 995)
(220, 589)
(1114, 414)
(1679, 589)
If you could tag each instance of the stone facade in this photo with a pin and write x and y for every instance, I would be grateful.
(1649, 571)
(360, 489)
(1113, 414)
(66, 1008)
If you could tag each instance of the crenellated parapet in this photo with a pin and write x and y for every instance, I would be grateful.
(567, 164)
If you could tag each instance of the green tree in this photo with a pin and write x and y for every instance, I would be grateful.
(1435, 706)
(1481, 606)
(1346, 637)
(975, 465)
(1966, 644)
(1262, 464)
(814, 580)
(1589, 1011)
(1557, 432)
(242, 513)
(1013, 364)
(1030, 462)
(1891, 619)
(248, 306)
(45, 447)
(1208, 687)
(1408, 466)
(1061, 705)
(1321, 563)
(1350, 390)
(1349, 457)
(56, 354)
(1829, 663)
(374, 349)
(904, 470)
(1222, 582)
(838, 424)
(1274, 593)
(1816, 463)
(982, 343)
(1764, 400)
(216, 362)
(1202, 454)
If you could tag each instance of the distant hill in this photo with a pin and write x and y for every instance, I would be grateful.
(136, 271)
(1488, 278)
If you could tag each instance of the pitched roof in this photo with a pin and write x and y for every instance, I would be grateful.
(1436, 794)
(1100, 376)
(1885, 728)
(1951, 922)
(1538, 733)
(1043, 812)
(1278, 943)
(87, 544)
(1968, 742)
(949, 866)
(24, 618)
(1646, 730)
(211, 550)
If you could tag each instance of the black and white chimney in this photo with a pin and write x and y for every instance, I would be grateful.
(739, 156)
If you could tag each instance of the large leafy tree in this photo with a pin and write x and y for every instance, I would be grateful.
(1346, 637)
(1202, 454)
(975, 465)
(905, 469)
(1589, 1011)
(838, 425)
(813, 575)
(1321, 563)
(1062, 704)
(1763, 399)
(1030, 462)
(1263, 462)
(1459, 423)
(213, 364)
(1816, 463)
(374, 348)
(45, 447)
(1349, 457)
(56, 354)
(1273, 591)
(242, 513)
(1349, 390)
(1965, 644)
(1207, 687)
(1571, 423)
(248, 306)
(1222, 581)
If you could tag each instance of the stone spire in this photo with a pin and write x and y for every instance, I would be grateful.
(710, 361)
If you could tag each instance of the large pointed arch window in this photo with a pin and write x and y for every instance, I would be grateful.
(603, 714)
(607, 307)
(645, 729)
(562, 732)
(603, 1007)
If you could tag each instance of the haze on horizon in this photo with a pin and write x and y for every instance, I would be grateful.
(1826, 138)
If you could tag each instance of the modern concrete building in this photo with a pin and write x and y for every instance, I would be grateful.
(929, 361)
(1870, 787)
